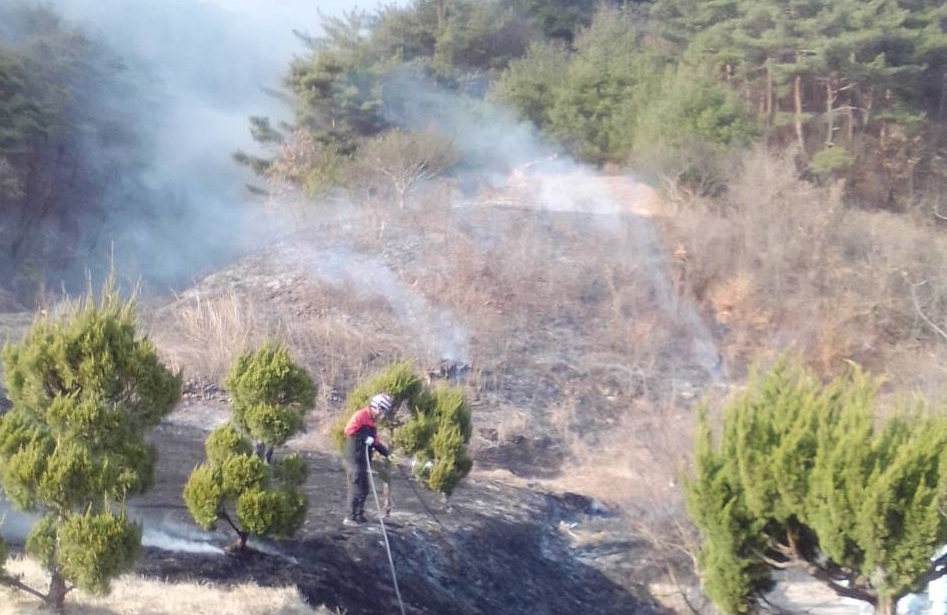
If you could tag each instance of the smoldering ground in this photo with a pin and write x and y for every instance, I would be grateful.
(488, 530)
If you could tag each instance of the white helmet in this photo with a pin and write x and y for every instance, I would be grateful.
(382, 403)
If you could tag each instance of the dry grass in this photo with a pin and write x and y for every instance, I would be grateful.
(569, 319)
(203, 334)
(599, 329)
(780, 263)
(134, 595)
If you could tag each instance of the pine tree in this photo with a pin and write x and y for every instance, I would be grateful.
(241, 483)
(84, 389)
(435, 431)
(804, 476)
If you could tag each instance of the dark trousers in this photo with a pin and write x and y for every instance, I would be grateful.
(357, 477)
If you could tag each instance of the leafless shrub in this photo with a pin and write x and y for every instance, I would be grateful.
(786, 263)
(398, 161)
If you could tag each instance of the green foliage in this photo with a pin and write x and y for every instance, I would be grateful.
(830, 160)
(290, 470)
(472, 35)
(270, 394)
(22, 118)
(84, 389)
(341, 88)
(94, 548)
(438, 432)
(415, 434)
(685, 105)
(62, 97)
(241, 482)
(803, 472)
(337, 88)
(41, 541)
(276, 513)
(240, 473)
(306, 162)
(437, 429)
(398, 379)
(204, 493)
(532, 84)
(597, 103)
(840, 52)
(557, 19)
(265, 497)
(224, 442)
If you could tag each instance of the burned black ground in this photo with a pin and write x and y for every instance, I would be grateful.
(490, 548)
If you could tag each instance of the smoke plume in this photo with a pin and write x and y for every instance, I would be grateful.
(192, 74)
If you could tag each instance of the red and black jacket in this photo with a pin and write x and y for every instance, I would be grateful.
(360, 427)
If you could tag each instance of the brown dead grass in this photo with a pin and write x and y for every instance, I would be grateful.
(132, 594)
(203, 333)
(780, 263)
(568, 318)
(599, 329)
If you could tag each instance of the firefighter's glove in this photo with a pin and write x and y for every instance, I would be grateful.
(369, 441)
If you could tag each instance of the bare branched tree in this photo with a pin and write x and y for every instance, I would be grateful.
(406, 159)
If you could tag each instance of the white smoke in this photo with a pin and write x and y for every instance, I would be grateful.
(437, 329)
(159, 530)
(171, 536)
(514, 157)
(197, 70)
(14, 525)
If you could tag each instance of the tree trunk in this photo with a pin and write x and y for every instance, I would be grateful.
(56, 599)
(797, 98)
(885, 606)
(850, 121)
(884, 124)
(943, 98)
(829, 112)
(769, 93)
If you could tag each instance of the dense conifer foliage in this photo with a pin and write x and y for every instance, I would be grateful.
(803, 475)
(624, 83)
(433, 428)
(241, 482)
(85, 388)
(68, 147)
(856, 90)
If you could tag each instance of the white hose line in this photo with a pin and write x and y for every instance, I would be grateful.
(381, 520)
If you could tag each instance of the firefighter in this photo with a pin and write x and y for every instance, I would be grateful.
(361, 440)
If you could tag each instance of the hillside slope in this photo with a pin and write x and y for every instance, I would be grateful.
(557, 311)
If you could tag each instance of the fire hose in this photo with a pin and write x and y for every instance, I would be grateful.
(420, 499)
(381, 520)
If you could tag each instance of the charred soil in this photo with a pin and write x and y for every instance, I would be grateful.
(490, 548)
